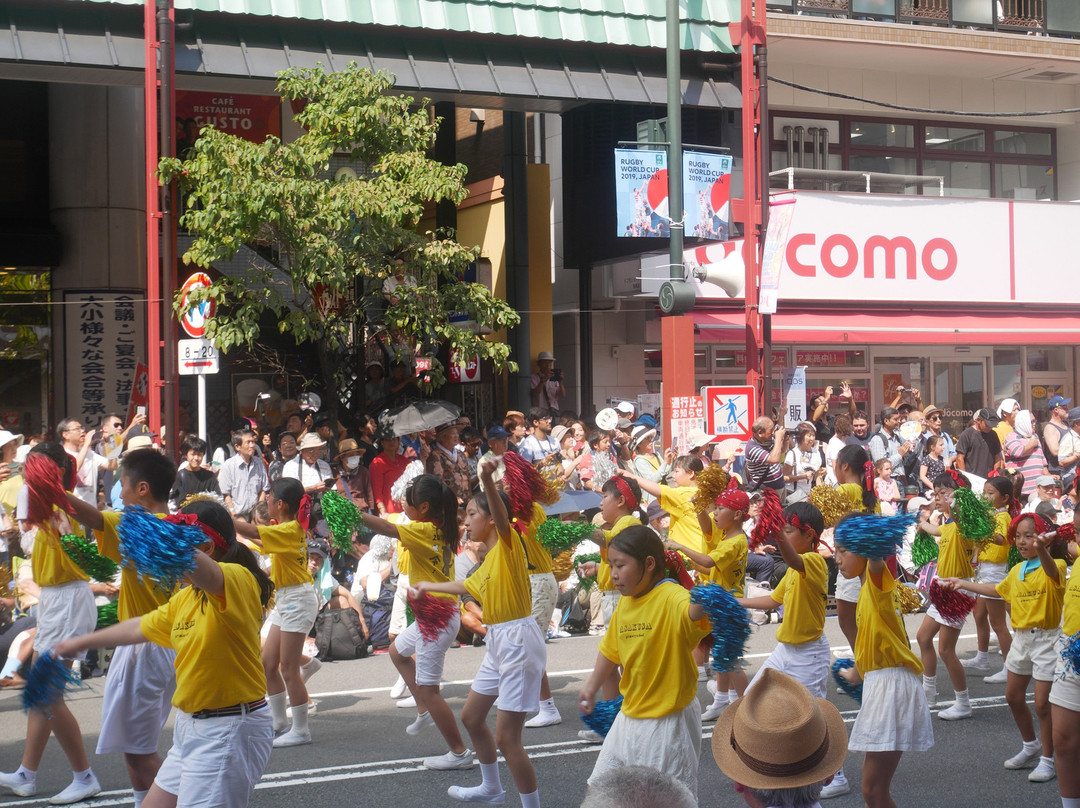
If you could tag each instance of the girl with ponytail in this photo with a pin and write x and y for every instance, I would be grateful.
(855, 480)
(295, 605)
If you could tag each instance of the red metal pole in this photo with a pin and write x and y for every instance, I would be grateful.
(153, 218)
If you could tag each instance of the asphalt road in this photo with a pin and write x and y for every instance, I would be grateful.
(361, 755)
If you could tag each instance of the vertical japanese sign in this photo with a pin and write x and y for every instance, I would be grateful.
(781, 209)
(104, 341)
(794, 396)
(687, 413)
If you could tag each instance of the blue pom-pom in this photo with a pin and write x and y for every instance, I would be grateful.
(47, 682)
(603, 715)
(855, 691)
(161, 550)
(874, 536)
(1071, 653)
(730, 624)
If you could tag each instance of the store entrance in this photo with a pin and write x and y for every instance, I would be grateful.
(959, 388)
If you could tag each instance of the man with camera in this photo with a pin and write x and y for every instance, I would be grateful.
(547, 383)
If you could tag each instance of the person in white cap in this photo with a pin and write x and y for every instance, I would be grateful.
(547, 383)
(1006, 411)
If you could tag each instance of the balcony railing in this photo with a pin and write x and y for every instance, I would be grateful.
(1046, 17)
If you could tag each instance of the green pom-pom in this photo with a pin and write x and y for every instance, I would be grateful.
(1014, 556)
(589, 581)
(974, 515)
(923, 550)
(106, 614)
(87, 558)
(343, 518)
(558, 536)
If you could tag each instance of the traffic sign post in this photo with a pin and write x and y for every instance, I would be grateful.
(729, 411)
(193, 320)
(199, 358)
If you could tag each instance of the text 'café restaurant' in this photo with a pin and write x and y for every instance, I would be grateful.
(968, 300)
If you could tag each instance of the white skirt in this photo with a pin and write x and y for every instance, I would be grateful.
(894, 716)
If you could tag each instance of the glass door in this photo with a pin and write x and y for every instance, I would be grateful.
(959, 389)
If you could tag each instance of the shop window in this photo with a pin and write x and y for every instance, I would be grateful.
(654, 359)
(1013, 181)
(881, 133)
(1008, 383)
(1053, 360)
(1007, 142)
(962, 177)
(954, 138)
(728, 359)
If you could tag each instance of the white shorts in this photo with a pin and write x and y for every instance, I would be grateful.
(894, 716)
(807, 663)
(1065, 692)
(295, 608)
(429, 655)
(671, 744)
(935, 615)
(545, 591)
(847, 589)
(63, 612)
(398, 619)
(216, 762)
(987, 573)
(138, 697)
(513, 666)
(608, 602)
(1034, 653)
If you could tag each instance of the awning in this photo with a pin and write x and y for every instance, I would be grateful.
(499, 72)
(938, 327)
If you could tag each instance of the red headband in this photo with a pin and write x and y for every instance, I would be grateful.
(193, 521)
(794, 519)
(959, 478)
(868, 475)
(734, 499)
(1041, 524)
(627, 493)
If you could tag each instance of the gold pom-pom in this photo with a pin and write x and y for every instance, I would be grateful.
(711, 483)
(907, 599)
(832, 503)
(563, 564)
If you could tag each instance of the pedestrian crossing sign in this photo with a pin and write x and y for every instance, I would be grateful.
(729, 411)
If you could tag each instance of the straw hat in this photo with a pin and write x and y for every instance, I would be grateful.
(311, 441)
(779, 736)
(347, 447)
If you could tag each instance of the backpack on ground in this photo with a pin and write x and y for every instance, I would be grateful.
(377, 615)
(339, 634)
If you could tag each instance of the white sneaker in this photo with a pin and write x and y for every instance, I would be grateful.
(18, 784)
(590, 736)
(292, 738)
(406, 702)
(422, 722)
(310, 669)
(999, 678)
(955, 713)
(1044, 772)
(475, 794)
(450, 761)
(836, 788)
(544, 719)
(978, 668)
(398, 690)
(312, 708)
(712, 712)
(1024, 759)
(76, 792)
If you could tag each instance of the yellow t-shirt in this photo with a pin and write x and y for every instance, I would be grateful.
(287, 547)
(137, 597)
(1036, 601)
(729, 555)
(954, 555)
(49, 563)
(854, 492)
(501, 585)
(652, 637)
(998, 553)
(881, 641)
(9, 493)
(218, 663)
(603, 570)
(1071, 607)
(430, 558)
(804, 596)
(537, 556)
(685, 528)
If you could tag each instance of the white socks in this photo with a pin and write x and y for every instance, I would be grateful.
(962, 699)
(277, 710)
(732, 695)
(1070, 802)
(980, 658)
(299, 719)
(492, 782)
(28, 775)
(1032, 746)
(547, 706)
(139, 797)
(929, 686)
(531, 800)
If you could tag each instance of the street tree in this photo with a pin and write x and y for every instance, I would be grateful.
(336, 240)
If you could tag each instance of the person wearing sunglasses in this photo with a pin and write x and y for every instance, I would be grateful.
(932, 420)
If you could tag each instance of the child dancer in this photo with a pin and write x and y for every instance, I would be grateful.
(1035, 591)
(888, 492)
(954, 561)
(992, 568)
(802, 649)
(223, 735)
(726, 562)
(431, 539)
(675, 499)
(65, 609)
(653, 634)
(544, 590)
(1065, 700)
(295, 605)
(509, 676)
(855, 479)
(894, 717)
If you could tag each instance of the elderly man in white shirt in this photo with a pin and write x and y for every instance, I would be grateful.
(309, 467)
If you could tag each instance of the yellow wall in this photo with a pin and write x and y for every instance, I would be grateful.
(541, 336)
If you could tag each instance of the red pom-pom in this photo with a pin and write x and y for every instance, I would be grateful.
(770, 521)
(432, 614)
(953, 606)
(1066, 532)
(45, 488)
(676, 569)
(524, 485)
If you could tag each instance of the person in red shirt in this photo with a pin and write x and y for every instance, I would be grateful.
(385, 469)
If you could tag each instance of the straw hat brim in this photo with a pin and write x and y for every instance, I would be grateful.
(734, 767)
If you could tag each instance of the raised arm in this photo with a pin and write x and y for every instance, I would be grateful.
(648, 486)
(86, 513)
(207, 575)
(127, 633)
(495, 502)
(701, 559)
(377, 524)
(791, 558)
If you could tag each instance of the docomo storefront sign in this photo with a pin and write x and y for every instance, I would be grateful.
(871, 247)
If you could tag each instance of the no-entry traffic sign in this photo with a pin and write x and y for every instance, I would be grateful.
(729, 411)
(194, 319)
